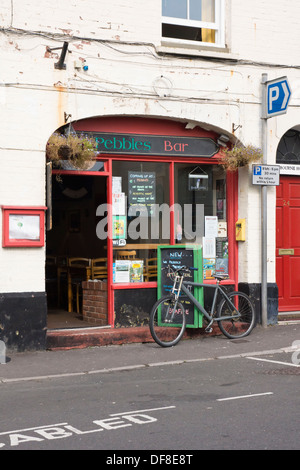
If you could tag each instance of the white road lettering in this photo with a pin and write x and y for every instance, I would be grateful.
(140, 419)
(16, 439)
(39, 434)
(112, 423)
(54, 433)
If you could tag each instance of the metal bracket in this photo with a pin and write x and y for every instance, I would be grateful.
(60, 64)
(235, 127)
(67, 116)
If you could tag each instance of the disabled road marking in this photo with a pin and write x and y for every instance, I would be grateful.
(38, 434)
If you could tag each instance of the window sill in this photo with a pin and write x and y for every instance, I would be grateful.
(134, 285)
(197, 50)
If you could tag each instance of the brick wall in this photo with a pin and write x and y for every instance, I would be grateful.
(94, 302)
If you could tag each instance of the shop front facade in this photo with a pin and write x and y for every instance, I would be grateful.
(161, 111)
(159, 184)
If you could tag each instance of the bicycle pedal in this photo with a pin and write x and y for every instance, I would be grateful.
(208, 329)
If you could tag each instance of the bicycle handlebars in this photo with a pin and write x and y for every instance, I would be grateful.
(185, 269)
(180, 271)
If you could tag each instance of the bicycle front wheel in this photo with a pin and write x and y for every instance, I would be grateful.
(241, 324)
(167, 321)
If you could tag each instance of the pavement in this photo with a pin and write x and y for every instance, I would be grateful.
(57, 363)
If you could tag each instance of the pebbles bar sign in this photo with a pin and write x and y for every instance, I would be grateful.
(156, 145)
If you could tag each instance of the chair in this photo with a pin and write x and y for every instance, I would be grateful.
(99, 268)
(79, 269)
(126, 254)
(150, 270)
(79, 262)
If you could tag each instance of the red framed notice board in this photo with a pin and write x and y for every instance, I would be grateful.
(23, 226)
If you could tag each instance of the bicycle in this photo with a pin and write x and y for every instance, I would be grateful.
(234, 313)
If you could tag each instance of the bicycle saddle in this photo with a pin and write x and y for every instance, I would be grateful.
(220, 277)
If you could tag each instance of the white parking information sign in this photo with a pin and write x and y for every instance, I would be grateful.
(266, 175)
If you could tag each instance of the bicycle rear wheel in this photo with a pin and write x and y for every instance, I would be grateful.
(240, 325)
(166, 325)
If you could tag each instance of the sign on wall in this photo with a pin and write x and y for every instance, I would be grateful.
(23, 226)
(155, 145)
(141, 190)
(265, 175)
(177, 256)
(278, 94)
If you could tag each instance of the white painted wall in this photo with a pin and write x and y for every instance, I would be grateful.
(121, 44)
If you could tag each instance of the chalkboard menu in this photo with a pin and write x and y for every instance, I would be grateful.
(177, 256)
(141, 190)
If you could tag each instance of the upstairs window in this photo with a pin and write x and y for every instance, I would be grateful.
(193, 21)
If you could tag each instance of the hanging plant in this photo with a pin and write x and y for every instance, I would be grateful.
(239, 156)
(80, 151)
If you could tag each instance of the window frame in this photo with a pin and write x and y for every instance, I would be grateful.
(218, 26)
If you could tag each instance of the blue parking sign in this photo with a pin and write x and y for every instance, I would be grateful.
(278, 94)
(266, 175)
(257, 169)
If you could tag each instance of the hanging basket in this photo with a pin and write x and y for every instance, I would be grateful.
(80, 151)
(239, 156)
(64, 152)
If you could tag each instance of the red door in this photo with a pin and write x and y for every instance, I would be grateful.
(288, 243)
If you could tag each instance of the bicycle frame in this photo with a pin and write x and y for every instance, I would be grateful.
(210, 317)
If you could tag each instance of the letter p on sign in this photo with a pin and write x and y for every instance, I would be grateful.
(273, 96)
(278, 95)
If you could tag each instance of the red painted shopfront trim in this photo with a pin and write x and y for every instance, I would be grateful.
(141, 125)
(110, 292)
(137, 125)
(172, 200)
(232, 215)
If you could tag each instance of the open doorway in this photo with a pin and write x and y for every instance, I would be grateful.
(72, 246)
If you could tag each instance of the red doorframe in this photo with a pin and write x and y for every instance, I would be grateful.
(107, 173)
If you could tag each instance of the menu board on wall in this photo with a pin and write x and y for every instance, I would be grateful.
(141, 191)
(177, 256)
(24, 227)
